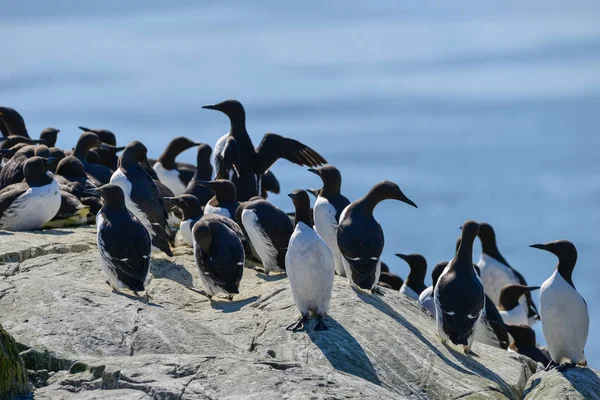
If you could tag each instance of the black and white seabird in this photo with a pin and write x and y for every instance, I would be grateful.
(12, 170)
(510, 309)
(564, 312)
(28, 205)
(142, 196)
(496, 272)
(175, 177)
(192, 212)
(254, 162)
(219, 256)
(72, 178)
(524, 343)
(12, 123)
(327, 210)
(123, 242)
(269, 230)
(87, 141)
(426, 297)
(415, 281)
(309, 266)
(224, 201)
(360, 237)
(203, 172)
(108, 154)
(459, 294)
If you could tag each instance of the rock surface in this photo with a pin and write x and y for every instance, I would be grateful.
(81, 339)
(13, 375)
(573, 384)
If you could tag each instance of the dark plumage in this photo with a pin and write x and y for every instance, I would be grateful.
(253, 162)
(142, 196)
(459, 295)
(203, 172)
(524, 343)
(360, 237)
(72, 178)
(49, 136)
(224, 201)
(12, 123)
(86, 142)
(415, 281)
(12, 172)
(123, 242)
(175, 175)
(219, 256)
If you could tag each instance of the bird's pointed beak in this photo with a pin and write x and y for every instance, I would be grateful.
(211, 107)
(51, 161)
(408, 201)
(291, 196)
(172, 200)
(83, 128)
(402, 256)
(314, 171)
(110, 147)
(538, 246)
(532, 288)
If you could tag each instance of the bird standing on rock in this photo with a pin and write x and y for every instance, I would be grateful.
(459, 295)
(564, 312)
(255, 162)
(224, 201)
(142, 196)
(203, 172)
(360, 237)
(328, 209)
(309, 266)
(123, 242)
(86, 142)
(219, 256)
(192, 212)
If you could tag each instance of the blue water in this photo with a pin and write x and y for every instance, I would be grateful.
(480, 111)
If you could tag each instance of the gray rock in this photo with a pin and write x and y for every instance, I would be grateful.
(572, 383)
(180, 345)
(13, 374)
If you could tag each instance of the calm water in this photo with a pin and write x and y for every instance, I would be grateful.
(488, 112)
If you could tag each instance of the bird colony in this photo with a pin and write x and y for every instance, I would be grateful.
(222, 213)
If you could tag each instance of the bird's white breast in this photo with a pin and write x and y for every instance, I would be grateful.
(426, 300)
(33, 208)
(565, 319)
(516, 316)
(495, 275)
(119, 178)
(407, 291)
(186, 232)
(260, 241)
(170, 178)
(326, 226)
(208, 209)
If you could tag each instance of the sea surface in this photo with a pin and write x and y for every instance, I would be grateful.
(478, 110)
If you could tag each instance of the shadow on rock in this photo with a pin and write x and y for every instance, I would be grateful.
(271, 278)
(57, 232)
(584, 380)
(342, 350)
(378, 303)
(232, 306)
(164, 269)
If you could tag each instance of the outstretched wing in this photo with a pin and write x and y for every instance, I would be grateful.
(274, 147)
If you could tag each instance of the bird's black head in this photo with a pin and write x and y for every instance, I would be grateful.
(386, 190)
(188, 204)
(135, 152)
(469, 231)
(112, 195)
(510, 295)
(567, 256)
(173, 149)
(204, 153)
(302, 204)
(71, 166)
(331, 177)
(202, 235)
(104, 135)
(10, 141)
(86, 142)
(49, 136)
(12, 123)
(523, 335)
(224, 189)
(232, 108)
(42, 150)
(35, 170)
(417, 263)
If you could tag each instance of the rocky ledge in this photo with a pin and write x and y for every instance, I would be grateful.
(79, 340)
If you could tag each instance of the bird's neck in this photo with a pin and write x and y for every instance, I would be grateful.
(167, 158)
(303, 215)
(565, 269)
(464, 257)
(331, 189)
